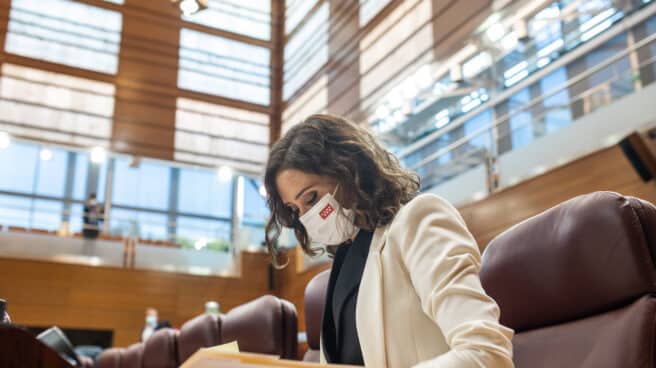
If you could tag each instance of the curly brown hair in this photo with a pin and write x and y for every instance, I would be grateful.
(330, 146)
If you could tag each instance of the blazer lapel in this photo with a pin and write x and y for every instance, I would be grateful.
(369, 309)
(349, 277)
(328, 340)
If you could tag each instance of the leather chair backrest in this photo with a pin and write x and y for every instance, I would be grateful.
(110, 358)
(315, 299)
(86, 362)
(266, 325)
(161, 349)
(575, 283)
(132, 356)
(200, 332)
(585, 256)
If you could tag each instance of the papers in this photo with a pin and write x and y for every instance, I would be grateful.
(228, 356)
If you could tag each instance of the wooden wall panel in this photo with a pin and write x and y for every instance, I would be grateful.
(44, 294)
(343, 30)
(607, 169)
(4, 19)
(141, 128)
(277, 61)
(456, 21)
(291, 282)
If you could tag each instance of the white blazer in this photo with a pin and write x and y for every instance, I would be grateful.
(420, 301)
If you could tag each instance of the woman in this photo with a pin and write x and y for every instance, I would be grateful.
(404, 288)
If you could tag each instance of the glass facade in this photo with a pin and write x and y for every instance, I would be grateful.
(220, 66)
(151, 200)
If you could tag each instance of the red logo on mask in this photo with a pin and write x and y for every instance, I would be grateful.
(326, 211)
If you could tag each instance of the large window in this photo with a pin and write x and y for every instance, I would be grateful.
(295, 12)
(65, 32)
(44, 186)
(215, 135)
(144, 186)
(247, 17)
(55, 107)
(223, 67)
(202, 193)
(138, 224)
(18, 164)
(307, 51)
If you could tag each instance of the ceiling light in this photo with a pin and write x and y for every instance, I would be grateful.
(46, 154)
(98, 155)
(5, 140)
(189, 7)
(225, 173)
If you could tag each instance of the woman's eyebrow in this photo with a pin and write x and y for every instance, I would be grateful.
(302, 191)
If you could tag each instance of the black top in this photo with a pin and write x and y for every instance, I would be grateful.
(339, 335)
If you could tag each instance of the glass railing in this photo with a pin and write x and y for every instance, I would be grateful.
(122, 253)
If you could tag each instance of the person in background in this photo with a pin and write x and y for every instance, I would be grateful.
(404, 289)
(93, 215)
(152, 324)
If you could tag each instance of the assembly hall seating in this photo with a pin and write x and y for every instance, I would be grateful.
(266, 325)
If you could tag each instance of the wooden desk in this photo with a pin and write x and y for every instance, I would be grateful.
(19, 349)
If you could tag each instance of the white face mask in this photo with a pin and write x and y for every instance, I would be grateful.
(151, 320)
(328, 223)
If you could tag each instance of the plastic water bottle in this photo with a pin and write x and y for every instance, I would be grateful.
(212, 308)
(4, 317)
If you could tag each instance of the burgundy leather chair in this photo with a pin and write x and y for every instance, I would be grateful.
(576, 284)
(110, 358)
(161, 349)
(200, 332)
(132, 356)
(266, 325)
(86, 362)
(315, 299)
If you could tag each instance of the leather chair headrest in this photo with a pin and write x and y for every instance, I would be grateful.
(585, 256)
(199, 332)
(161, 349)
(258, 326)
(315, 299)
